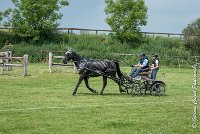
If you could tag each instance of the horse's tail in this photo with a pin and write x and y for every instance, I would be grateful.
(118, 69)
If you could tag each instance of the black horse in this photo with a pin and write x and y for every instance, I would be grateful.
(90, 68)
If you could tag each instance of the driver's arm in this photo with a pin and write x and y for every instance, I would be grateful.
(136, 65)
(144, 64)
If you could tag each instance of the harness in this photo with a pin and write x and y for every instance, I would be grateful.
(104, 66)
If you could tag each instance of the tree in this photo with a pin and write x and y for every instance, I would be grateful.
(192, 36)
(36, 19)
(125, 18)
(3, 15)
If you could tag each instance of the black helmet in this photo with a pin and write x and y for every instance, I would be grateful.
(155, 55)
(142, 54)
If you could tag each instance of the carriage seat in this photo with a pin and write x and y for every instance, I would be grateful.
(146, 72)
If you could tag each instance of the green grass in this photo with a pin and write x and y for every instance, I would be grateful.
(42, 103)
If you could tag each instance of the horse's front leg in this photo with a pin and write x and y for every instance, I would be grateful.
(77, 85)
(104, 84)
(87, 85)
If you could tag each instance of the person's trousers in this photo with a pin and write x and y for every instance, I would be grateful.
(154, 73)
(136, 72)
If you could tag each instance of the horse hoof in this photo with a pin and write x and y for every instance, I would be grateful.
(95, 92)
(73, 94)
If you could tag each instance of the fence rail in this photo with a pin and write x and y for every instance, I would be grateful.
(70, 30)
(51, 64)
(5, 63)
(98, 31)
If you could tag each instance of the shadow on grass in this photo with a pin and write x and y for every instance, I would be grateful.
(119, 94)
(105, 94)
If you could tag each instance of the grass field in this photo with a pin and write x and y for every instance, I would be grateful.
(42, 103)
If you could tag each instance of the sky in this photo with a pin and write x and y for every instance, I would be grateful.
(166, 16)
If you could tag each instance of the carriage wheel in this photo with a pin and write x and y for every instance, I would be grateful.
(158, 89)
(137, 90)
(162, 89)
(127, 84)
(130, 87)
(126, 87)
(143, 88)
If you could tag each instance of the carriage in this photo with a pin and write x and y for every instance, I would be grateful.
(108, 70)
(139, 85)
(143, 84)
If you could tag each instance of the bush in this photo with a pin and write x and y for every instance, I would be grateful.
(169, 49)
(105, 47)
(89, 46)
(6, 38)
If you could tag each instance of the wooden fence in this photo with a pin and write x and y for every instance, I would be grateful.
(4, 64)
(6, 54)
(98, 31)
(51, 64)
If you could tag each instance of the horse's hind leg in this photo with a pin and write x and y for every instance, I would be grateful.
(104, 84)
(87, 85)
(120, 88)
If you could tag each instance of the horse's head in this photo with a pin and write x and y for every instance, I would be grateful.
(68, 56)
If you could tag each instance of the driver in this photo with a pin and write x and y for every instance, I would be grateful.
(142, 65)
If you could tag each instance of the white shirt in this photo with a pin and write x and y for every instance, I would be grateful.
(156, 63)
(145, 62)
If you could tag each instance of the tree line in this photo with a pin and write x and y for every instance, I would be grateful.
(38, 20)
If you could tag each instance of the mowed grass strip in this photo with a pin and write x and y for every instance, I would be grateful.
(42, 103)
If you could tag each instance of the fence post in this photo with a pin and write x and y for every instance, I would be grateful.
(179, 65)
(50, 61)
(10, 60)
(25, 63)
(6, 60)
(2, 65)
